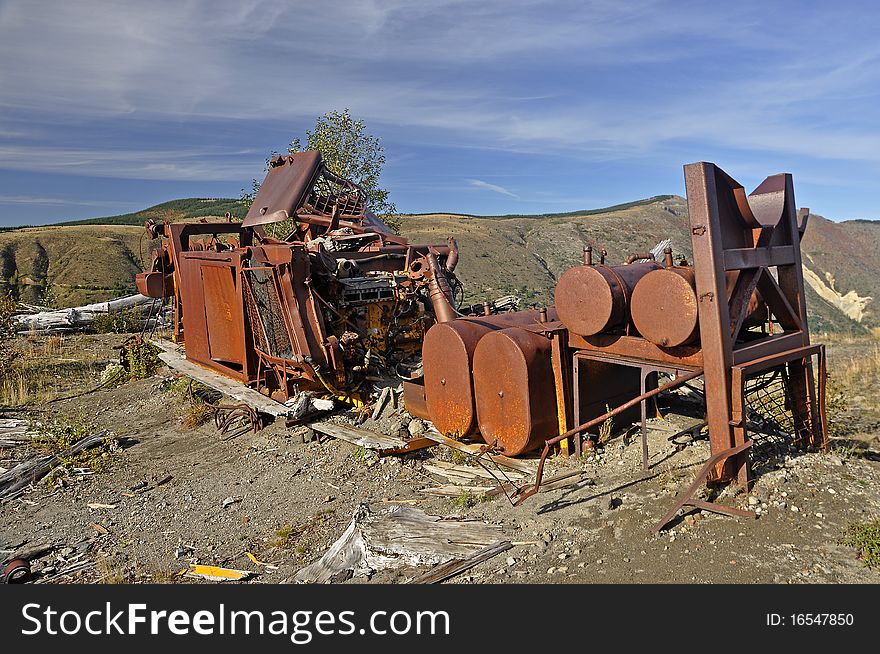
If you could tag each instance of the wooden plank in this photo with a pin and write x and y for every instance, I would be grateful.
(528, 466)
(412, 445)
(454, 490)
(448, 570)
(453, 472)
(218, 382)
(357, 436)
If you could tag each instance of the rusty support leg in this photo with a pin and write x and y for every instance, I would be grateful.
(558, 361)
(739, 415)
(687, 498)
(798, 397)
(643, 375)
(714, 319)
(576, 402)
(823, 418)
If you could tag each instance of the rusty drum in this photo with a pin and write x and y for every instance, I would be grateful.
(514, 390)
(447, 356)
(664, 307)
(592, 299)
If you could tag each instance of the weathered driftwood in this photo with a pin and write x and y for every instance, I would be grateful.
(357, 436)
(395, 536)
(33, 470)
(448, 570)
(76, 318)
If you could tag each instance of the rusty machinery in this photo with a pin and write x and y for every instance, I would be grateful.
(550, 377)
(339, 298)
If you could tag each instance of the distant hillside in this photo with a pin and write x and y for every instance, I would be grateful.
(71, 265)
(174, 210)
(526, 254)
(523, 254)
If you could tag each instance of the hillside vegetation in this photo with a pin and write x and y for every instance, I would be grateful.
(522, 254)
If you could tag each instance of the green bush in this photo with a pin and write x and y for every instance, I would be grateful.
(141, 359)
(865, 537)
(127, 321)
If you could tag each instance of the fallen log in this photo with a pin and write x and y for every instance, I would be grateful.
(33, 470)
(77, 318)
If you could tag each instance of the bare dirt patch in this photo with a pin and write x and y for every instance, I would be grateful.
(172, 495)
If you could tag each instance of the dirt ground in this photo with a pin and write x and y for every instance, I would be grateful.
(171, 496)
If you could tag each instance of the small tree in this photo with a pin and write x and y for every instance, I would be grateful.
(351, 153)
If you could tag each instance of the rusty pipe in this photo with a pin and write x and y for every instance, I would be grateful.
(439, 291)
(452, 257)
(667, 254)
(675, 383)
(588, 255)
(635, 257)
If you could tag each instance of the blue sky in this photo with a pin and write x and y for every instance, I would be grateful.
(483, 107)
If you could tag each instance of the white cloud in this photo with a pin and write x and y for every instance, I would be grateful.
(478, 183)
(448, 72)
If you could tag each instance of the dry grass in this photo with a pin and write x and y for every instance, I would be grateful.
(197, 414)
(858, 371)
(296, 536)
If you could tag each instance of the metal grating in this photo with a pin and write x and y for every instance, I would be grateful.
(771, 420)
(329, 190)
(264, 314)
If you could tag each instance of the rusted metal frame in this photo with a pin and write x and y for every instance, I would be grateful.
(738, 304)
(775, 298)
(645, 368)
(702, 184)
(817, 428)
(559, 357)
(768, 346)
(744, 258)
(755, 366)
(687, 498)
(675, 383)
(638, 349)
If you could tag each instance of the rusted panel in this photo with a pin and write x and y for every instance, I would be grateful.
(225, 340)
(447, 355)
(514, 390)
(285, 186)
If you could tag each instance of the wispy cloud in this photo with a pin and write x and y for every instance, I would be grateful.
(596, 82)
(58, 202)
(478, 183)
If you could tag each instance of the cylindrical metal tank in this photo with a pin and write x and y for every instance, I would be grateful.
(514, 390)
(592, 299)
(664, 306)
(447, 360)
